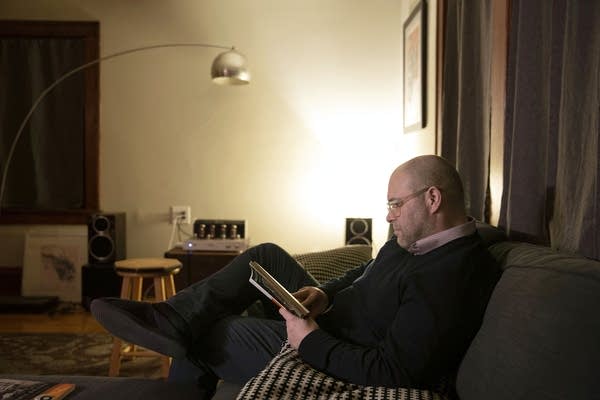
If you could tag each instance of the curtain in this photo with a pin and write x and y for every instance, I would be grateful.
(465, 121)
(47, 168)
(551, 186)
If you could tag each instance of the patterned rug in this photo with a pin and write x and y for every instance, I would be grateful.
(67, 354)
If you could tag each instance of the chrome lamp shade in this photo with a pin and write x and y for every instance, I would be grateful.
(229, 68)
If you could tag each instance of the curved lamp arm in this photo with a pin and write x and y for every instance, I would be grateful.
(228, 68)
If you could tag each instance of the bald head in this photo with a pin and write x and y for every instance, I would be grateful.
(430, 170)
(425, 195)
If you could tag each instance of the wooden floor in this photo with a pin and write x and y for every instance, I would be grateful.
(74, 321)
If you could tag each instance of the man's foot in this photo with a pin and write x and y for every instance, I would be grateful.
(139, 323)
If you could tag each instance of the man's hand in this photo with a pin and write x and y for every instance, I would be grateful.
(314, 299)
(297, 328)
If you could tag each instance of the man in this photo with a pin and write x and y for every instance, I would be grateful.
(404, 319)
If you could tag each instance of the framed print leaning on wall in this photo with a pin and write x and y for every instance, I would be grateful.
(52, 264)
(415, 72)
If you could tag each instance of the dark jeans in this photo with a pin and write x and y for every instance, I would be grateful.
(226, 344)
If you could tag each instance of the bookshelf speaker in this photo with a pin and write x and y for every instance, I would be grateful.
(358, 230)
(106, 238)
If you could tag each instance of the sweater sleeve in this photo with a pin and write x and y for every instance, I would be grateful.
(398, 360)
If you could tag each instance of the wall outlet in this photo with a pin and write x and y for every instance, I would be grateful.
(183, 214)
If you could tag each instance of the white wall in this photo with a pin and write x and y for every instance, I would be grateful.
(309, 142)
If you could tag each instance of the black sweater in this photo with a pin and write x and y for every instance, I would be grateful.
(408, 320)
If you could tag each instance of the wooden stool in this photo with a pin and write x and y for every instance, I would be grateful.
(134, 271)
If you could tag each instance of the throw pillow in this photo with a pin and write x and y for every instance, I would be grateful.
(288, 377)
(328, 264)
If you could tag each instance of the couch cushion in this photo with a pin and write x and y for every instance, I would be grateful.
(328, 264)
(540, 337)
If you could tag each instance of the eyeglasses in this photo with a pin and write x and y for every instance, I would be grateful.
(395, 205)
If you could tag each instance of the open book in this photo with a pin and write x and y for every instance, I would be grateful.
(17, 389)
(279, 295)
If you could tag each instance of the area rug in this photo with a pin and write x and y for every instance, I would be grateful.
(67, 354)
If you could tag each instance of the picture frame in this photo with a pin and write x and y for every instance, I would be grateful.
(415, 68)
(52, 264)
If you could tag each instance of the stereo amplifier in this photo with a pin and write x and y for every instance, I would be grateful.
(215, 244)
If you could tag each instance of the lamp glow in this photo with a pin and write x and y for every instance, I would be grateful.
(228, 68)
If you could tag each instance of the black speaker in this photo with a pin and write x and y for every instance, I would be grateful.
(99, 280)
(106, 238)
(358, 230)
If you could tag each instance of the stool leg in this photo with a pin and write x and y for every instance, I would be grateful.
(160, 294)
(115, 358)
(170, 286)
(126, 288)
(159, 289)
(136, 294)
(137, 289)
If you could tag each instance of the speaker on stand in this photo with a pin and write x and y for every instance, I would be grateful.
(106, 244)
(359, 231)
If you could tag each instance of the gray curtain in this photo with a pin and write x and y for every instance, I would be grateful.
(551, 168)
(47, 168)
(466, 97)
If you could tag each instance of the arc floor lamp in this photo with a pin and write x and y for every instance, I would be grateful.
(228, 68)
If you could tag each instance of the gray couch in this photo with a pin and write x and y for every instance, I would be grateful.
(540, 338)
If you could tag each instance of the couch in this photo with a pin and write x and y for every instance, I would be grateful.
(540, 336)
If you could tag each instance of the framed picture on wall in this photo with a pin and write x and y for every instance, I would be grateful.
(415, 72)
(52, 264)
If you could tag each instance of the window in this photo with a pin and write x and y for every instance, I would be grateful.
(53, 174)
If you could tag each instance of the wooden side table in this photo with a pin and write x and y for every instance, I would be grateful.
(198, 264)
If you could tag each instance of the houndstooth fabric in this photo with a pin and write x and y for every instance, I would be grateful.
(329, 264)
(288, 377)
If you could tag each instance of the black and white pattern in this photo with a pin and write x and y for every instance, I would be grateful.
(328, 264)
(288, 377)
